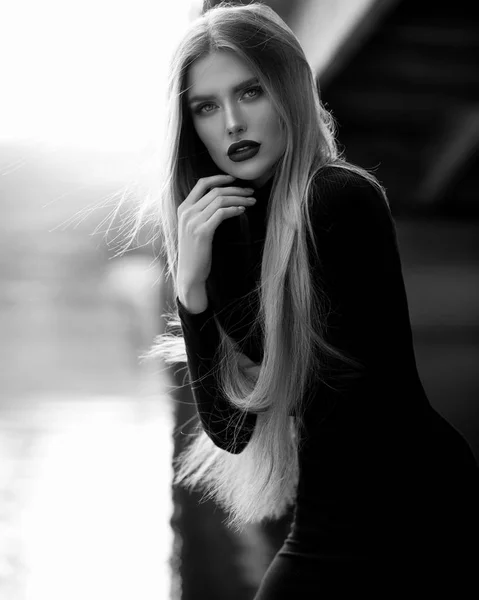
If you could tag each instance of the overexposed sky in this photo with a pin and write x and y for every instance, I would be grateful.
(86, 74)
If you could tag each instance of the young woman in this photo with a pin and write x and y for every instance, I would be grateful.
(293, 321)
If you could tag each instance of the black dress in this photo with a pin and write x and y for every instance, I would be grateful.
(388, 494)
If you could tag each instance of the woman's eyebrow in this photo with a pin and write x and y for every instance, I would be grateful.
(236, 88)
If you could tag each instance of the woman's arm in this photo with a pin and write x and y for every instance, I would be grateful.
(218, 417)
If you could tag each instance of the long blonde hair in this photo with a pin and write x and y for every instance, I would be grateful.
(259, 482)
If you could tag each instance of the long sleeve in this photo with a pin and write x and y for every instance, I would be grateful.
(218, 417)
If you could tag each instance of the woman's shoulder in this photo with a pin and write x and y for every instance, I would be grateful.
(339, 193)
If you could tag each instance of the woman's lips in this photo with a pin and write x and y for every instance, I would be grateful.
(241, 155)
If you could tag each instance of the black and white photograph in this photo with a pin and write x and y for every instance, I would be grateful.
(239, 300)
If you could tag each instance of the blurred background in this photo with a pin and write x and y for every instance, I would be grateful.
(88, 432)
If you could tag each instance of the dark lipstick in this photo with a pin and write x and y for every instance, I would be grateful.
(236, 153)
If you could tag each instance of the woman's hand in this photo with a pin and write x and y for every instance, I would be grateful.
(198, 217)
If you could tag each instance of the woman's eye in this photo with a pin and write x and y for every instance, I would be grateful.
(254, 89)
(200, 110)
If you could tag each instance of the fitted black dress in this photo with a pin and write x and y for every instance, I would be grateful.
(388, 494)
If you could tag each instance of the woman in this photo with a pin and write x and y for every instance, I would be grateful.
(295, 327)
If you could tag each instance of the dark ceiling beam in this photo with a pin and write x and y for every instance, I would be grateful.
(324, 15)
(457, 146)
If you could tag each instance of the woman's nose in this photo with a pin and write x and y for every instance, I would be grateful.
(234, 120)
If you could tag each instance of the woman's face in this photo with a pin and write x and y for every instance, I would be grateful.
(230, 112)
